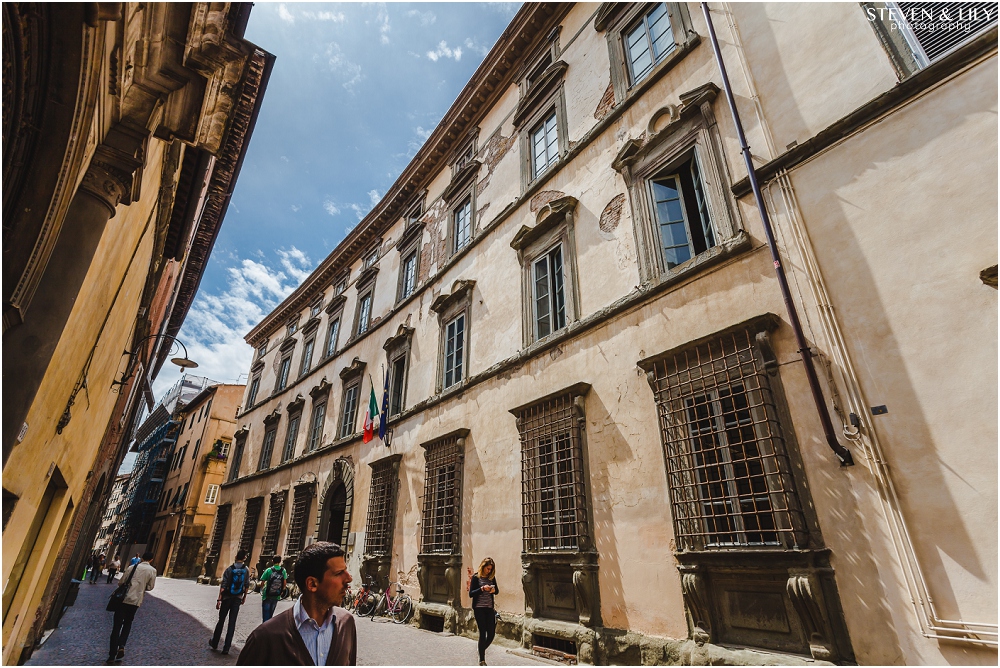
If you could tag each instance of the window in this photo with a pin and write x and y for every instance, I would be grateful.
(272, 527)
(462, 222)
(301, 505)
(553, 487)
(250, 521)
(919, 33)
(331, 336)
(182, 497)
(442, 495)
(315, 309)
(544, 145)
(234, 466)
(549, 297)
(454, 351)
(397, 385)
(262, 350)
(681, 212)
(293, 327)
(307, 355)
(267, 448)
(286, 364)
(727, 468)
(409, 274)
(371, 259)
(364, 313)
(648, 41)
(316, 426)
(218, 533)
(222, 447)
(382, 506)
(536, 72)
(212, 494)
(340, 287)
(197, 446)
(290, 437)
(350, 412)
(208, 408)
(252, 394)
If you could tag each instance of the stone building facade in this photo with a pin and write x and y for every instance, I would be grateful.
(124, 129)
(591, 373)
(112, 516)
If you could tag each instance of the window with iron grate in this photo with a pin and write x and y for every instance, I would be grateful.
(250, 520)
(272, 528)
(219, 531)
(730, 478)
(442, 496)
(301, 508)
(382, 507)
(553, 482)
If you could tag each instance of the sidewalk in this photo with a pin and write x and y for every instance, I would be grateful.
(176, 620)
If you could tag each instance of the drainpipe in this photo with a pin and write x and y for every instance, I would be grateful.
(824, 416)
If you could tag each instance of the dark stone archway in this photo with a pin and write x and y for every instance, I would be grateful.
(337, 501)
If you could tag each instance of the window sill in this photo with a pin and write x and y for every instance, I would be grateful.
(734, 245)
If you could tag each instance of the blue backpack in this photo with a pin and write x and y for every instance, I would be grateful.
(237, 581)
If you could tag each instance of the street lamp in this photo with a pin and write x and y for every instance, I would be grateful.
(183, 362)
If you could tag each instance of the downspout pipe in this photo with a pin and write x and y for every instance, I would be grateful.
(817, 392)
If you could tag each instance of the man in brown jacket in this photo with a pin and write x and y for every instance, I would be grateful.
(313, 632)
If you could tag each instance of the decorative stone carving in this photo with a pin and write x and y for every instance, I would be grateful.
(587, 599)
(806, 593)
(111, 171)
(529, 586)
(695, 598)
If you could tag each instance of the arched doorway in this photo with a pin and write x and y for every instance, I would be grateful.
(338, 500)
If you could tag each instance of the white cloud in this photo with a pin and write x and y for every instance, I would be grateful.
(284, 14)
(475, 48)
(217, 322)
(384, 28)
(284, 158)
(330, 207)
(359, 211)
(443, 51)
(336, 17)
(422, 135)
(349, 71)
(374, 197)
(296, 208)
(426, 18)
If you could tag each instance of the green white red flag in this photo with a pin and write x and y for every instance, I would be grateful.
(370, 416)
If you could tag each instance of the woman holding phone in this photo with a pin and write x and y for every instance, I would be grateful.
(482, 589)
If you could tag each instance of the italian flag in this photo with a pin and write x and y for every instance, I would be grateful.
(370, 415)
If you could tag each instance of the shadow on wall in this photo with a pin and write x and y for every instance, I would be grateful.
(917, 465)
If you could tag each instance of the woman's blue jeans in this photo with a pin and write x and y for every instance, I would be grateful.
(267, 608)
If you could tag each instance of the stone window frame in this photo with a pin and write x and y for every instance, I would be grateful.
(371, 257)
(320, 400)
(409, 244)
(448, 307)
(270, 433)
(262, 349)
(554, 225)
(351, 378)
(335, 313)
(240, 440)
(295, 414)
(398, 347)
(292, 326)
(286, 350)
(615, 19)
(464, 152)
(546, 95)
(366, 289)
(276, 506)
(673, 134)
(380, 523)
(298, 523)
(308, 353)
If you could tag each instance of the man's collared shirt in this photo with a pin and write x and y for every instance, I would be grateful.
(316, 637)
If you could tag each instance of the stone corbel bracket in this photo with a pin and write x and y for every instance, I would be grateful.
(295, 404)
(323, 388)
(460, 289)
(402, 336)
(273, 416)
(356, 368)
(548, 217)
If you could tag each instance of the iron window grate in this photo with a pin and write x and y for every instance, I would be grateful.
(250, 520)
(442, 496)
(302, 504)
(728, 471)
(381, 508)
(219, 531)
(272, 528)
(553, 486)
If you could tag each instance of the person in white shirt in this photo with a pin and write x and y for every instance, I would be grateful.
(143, 579)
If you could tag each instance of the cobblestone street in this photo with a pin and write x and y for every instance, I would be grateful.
(176, 620)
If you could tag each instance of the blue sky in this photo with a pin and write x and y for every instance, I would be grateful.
(355, 91)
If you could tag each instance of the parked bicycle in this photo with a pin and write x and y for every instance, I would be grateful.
(398, 607)
(365, 599)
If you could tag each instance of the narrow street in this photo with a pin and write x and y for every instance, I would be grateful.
(176, 620)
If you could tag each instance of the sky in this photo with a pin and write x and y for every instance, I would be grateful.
(356, 89)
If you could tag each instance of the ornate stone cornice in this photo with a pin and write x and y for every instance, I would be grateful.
(402, 336)
(357, 368)
(459, 290)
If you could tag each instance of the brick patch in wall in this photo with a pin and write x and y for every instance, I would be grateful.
(612, 213)
(606, 104)
(543, 198)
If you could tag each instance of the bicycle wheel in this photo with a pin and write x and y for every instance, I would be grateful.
(367, 605)
(379, 608)
(348, 602)
(402, 609)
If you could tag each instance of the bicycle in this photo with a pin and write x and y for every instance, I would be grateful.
(398, 608)
(348, 603)
(364, 600)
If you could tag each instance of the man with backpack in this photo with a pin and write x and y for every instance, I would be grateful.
(273, 583)
(232, 594)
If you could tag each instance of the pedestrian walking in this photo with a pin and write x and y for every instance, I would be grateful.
(140, 578)
(95, 567)
(314, 631)
(232, 594)
(113, 569)
(272, 587)
(482, 589)
(135, 560)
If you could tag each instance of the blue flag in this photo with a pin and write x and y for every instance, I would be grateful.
(383, 421)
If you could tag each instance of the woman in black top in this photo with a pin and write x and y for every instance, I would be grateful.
(482, 589)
